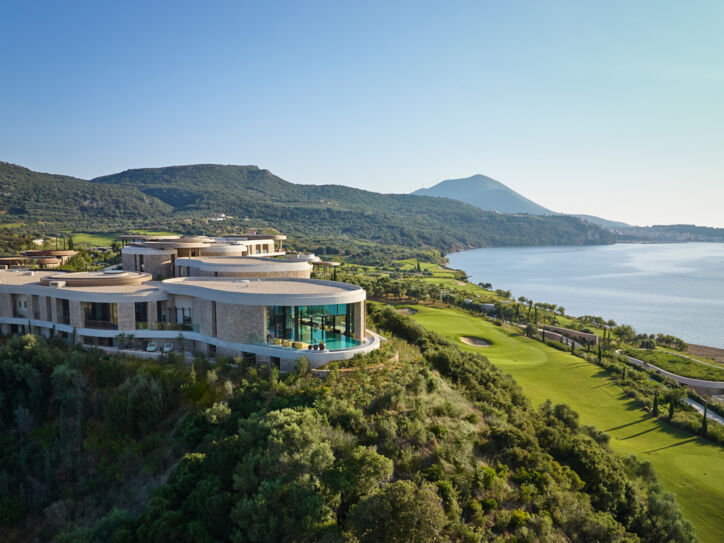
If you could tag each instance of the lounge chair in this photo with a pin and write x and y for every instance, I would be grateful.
(151, 347)
(168, 348)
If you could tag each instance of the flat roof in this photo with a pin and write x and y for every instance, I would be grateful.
(245, 264)
(266, 291)
(38, 283)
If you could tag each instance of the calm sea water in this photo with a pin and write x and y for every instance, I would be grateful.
(673, 288)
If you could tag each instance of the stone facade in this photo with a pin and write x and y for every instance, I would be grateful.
(299, 274)
(126, 316)
(240, 323)
(359, 320)
(6, 305)
(76, 314)
(201, 314)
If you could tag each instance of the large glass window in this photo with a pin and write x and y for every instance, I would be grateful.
(331, 324)
(100, 315)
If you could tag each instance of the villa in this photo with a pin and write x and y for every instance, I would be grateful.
(209, 295)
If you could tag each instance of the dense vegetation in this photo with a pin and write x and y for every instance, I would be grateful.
(429, 444)
(183, 198)
(34, 197)
(82, 432)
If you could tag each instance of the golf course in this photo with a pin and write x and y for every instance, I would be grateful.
(690, 467)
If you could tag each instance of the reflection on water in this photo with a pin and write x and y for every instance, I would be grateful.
(675, 288)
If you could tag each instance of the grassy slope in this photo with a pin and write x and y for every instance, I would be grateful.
(105, 239)
(690, 467)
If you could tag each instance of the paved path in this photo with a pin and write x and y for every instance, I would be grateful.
(709, 413)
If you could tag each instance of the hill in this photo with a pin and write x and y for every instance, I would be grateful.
(336, 211)
(182, 198)
(29, 196)
(611, 225)
(485, 193)
(491, 195)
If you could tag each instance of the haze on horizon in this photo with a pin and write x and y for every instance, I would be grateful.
(611, 109)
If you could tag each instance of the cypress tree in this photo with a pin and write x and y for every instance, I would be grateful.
(671, 409)
(704, 424)
(656, 404)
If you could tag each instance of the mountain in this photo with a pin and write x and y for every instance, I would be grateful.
(491, 195)
(485, 193)
(337, 210)
(182, 198)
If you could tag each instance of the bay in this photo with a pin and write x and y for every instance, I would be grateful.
(672, 288)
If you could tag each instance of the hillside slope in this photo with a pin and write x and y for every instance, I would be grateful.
(485, 193)
(34, 196)
(182, 198)
(336, 210)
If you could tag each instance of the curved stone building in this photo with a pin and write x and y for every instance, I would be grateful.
(263, 308)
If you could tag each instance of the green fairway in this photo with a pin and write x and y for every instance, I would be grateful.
(104, 239)
(690, 467)
(94, 240)
(152, 233)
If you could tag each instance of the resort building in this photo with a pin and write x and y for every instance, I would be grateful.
(157, 254)
(38, 258)
(196, 295)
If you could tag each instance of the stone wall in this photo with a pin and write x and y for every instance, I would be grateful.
(240, 323)
(581, 337)
(76, 314)
(360, 330)
(191, 271)
(6, 304)
(201, 315)
(128, 262)
(126, 316)
(158, 265)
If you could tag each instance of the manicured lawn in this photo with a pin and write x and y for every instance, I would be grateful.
(105, 239)
(94, 240)
(690, 467)
(679, 365)
(152, 233)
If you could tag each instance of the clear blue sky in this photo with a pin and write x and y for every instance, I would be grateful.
(609, 108)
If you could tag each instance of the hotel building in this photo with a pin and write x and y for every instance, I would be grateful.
(234, 296)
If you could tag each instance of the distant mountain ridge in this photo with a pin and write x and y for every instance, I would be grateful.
(486, 193)
(491, 195)
(181, 198)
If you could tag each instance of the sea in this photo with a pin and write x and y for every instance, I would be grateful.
(671, 288)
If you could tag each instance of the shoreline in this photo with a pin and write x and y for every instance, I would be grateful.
(694, 337)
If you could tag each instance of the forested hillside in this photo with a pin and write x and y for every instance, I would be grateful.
(415, 442)
(183, 198)
(57, 200)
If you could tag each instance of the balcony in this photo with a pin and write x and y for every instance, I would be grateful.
(181, 327)
(101, 325)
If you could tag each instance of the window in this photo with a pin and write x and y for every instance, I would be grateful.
(141, 310)
(332, 324)
(100, 315)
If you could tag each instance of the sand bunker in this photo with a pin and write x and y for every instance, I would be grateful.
(406, 311)
(460, 283)
(474, 341)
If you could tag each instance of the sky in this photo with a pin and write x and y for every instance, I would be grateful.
(613, 109)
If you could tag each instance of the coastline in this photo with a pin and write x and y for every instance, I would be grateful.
(608, 282)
